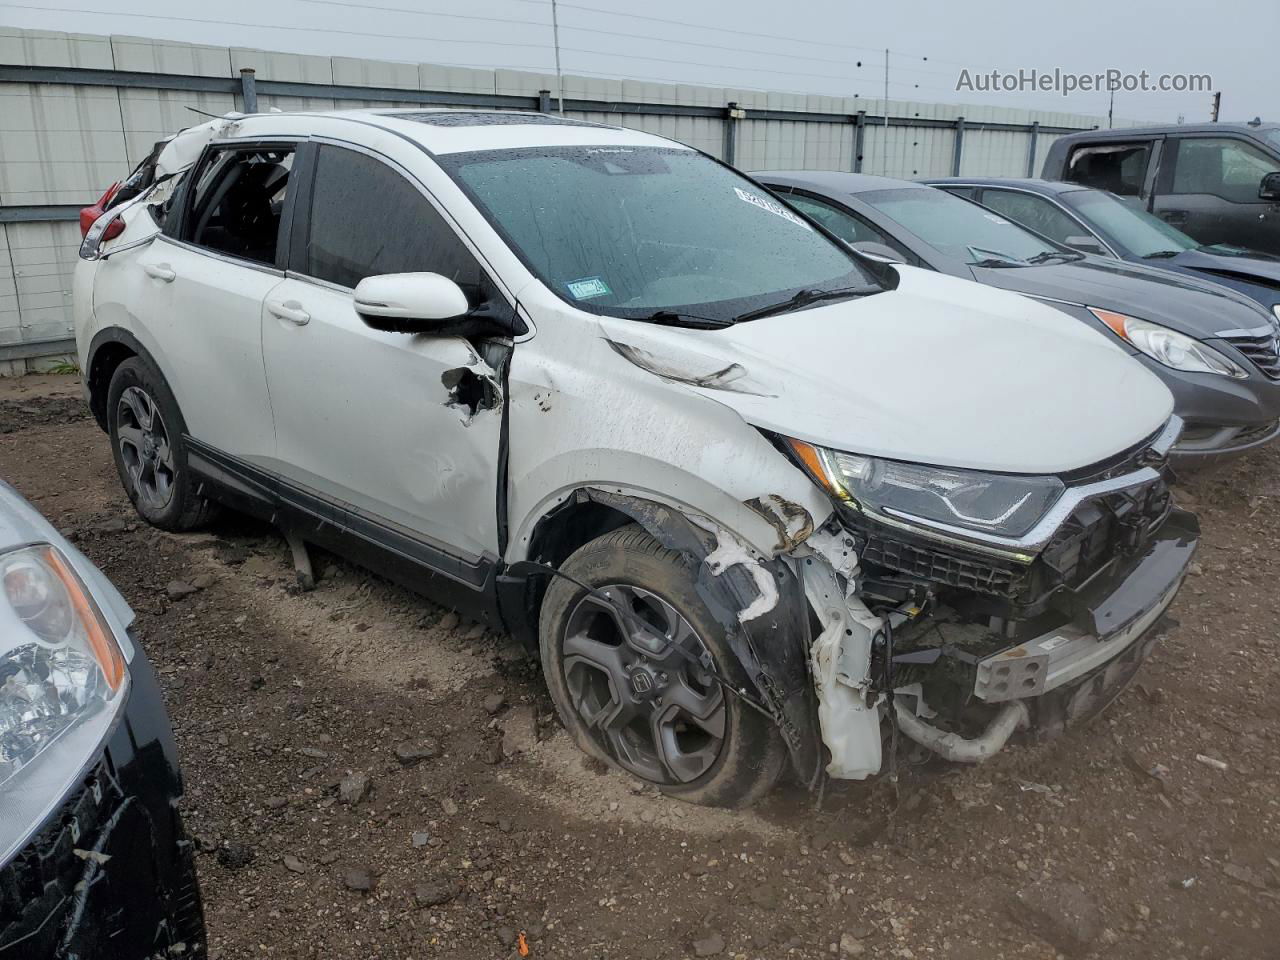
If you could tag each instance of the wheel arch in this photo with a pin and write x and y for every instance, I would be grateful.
(770, 640)
(111, 347)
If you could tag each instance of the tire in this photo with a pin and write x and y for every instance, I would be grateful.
(598, 677)
(146, 430)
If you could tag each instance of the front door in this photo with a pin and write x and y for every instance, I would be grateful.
(1212, 193)
(398, 434)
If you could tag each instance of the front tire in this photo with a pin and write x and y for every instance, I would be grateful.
(146, 430)
(640, 705)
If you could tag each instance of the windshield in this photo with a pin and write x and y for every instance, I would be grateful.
(958, 227)
(1136, 230)
(1272, 137)
(639, 231)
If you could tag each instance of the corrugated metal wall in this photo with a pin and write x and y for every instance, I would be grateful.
(63, 144)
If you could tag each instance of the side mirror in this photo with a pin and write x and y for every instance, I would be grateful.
(878, 251)
(410, 302)
(1269, 189)
(1085, 244)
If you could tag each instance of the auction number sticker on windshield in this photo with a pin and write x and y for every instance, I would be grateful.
(588, 287)
(764, 203)
(994, 219)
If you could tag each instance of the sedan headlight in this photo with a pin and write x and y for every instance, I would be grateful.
(1169, 347)
(62, 681)
(1002, 505)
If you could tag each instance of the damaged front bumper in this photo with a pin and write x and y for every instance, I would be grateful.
(110, 874)
(964, 690)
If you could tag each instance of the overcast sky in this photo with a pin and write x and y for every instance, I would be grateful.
(813, 46)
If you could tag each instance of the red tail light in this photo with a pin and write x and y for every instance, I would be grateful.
(90, 214)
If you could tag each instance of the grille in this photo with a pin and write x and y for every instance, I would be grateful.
(942, 566)
(47, 867)
(1099, 530)
(1117, 523)
(467, 118)
(1263, 351)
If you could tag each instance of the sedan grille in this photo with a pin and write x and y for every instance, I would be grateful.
(1263, 351)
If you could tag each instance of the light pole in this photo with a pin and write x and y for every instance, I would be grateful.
(884, 151)
(555, 32)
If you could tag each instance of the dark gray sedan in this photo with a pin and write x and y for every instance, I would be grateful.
(1218, 352)
(1094, 221)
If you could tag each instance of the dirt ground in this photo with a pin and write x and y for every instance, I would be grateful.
(1117, 840)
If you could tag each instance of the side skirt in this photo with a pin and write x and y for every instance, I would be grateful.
(468, 586)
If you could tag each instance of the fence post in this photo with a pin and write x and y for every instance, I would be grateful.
(248, 90)
(731, 117)
(544, 101)
(959, 150)
(859, 138)
(1031, 148)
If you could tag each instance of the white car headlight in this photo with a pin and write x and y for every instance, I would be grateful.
(63, 680)
(999, 504)
(1173, 349)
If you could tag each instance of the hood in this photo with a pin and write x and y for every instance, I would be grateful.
(1256, 275)
(1188, 304)
(939, 371)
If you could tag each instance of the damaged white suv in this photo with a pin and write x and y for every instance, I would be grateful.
(755, 499)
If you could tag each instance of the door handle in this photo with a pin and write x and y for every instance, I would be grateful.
(160, 271)
(290, 310)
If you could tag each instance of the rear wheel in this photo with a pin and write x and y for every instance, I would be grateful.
(146, 430)
(648, 701)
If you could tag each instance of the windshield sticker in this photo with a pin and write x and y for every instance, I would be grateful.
(994, 219)
(773, 207)
(587, 288)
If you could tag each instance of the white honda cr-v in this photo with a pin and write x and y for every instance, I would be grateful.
(756, 500)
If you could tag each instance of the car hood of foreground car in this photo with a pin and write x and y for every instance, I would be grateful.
(939, 371)
(1192, 305)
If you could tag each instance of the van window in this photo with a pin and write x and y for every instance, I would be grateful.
(1117, 167)
(1221, 166)
(238, 199)
(367, 220)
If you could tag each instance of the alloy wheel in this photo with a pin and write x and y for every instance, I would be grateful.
(145, 447)
(653, 704)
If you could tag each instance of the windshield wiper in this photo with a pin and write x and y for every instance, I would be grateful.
(801, 299)
(671, 318)
(1162, 255)
(1054, 255)
(998, 260)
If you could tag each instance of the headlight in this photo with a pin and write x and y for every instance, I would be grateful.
(998, 504)
(62, 681)
(1169, 347)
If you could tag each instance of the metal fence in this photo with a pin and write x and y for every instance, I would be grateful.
(77, 111)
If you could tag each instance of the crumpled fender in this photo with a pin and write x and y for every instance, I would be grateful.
(769, 639)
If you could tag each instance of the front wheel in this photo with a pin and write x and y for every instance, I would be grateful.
(649, 701)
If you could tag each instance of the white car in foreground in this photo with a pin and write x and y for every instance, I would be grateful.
(753, 497)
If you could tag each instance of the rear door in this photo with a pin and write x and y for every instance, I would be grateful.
(1209, 190)
(200, 289)
(396, 435)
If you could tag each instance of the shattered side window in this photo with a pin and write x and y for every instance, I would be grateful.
(1115, 167)
(238, 202)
